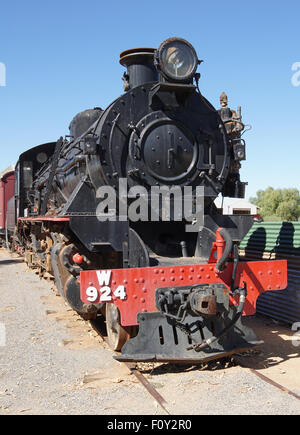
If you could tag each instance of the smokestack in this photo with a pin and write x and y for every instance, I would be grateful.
(140, 67)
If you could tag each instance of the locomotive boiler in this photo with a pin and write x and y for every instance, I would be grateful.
(170, 285)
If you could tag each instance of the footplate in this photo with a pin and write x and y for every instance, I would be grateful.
(160, 338)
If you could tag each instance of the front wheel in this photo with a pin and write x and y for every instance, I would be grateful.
(116, 333)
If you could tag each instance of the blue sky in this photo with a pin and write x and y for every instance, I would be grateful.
(62, 57)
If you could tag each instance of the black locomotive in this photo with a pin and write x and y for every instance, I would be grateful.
(167, 293)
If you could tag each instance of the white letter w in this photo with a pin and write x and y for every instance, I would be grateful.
(103, 277)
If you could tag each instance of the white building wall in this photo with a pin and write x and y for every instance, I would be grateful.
(234, 205)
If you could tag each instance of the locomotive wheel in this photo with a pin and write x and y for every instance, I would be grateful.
(116, 333)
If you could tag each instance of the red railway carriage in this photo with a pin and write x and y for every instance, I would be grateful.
(7, 183)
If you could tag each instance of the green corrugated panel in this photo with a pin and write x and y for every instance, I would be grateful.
(277, 237)
(283, 240)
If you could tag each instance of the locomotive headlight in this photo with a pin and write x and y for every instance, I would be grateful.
(177, 59)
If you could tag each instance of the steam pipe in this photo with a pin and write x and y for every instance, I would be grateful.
(220, 266)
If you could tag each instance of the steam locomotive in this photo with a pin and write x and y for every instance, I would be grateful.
(170, 284)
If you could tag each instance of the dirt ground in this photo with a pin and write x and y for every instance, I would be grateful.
(279, 357)
(53, 362)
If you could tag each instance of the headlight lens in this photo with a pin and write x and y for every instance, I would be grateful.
(177, 59)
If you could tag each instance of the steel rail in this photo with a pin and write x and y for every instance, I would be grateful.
(267, 379)
(140, 377)
(161, 401)
(275, 384)
(155, 394)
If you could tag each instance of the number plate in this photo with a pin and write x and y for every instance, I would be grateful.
(103, 292)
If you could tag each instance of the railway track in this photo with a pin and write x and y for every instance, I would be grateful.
(163, 403)
(134, 370)
(99, 328)
(269, 381)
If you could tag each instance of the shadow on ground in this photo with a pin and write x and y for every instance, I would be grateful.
(279, 344)
(11, 261)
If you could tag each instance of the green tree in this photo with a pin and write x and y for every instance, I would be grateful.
(281, 203)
